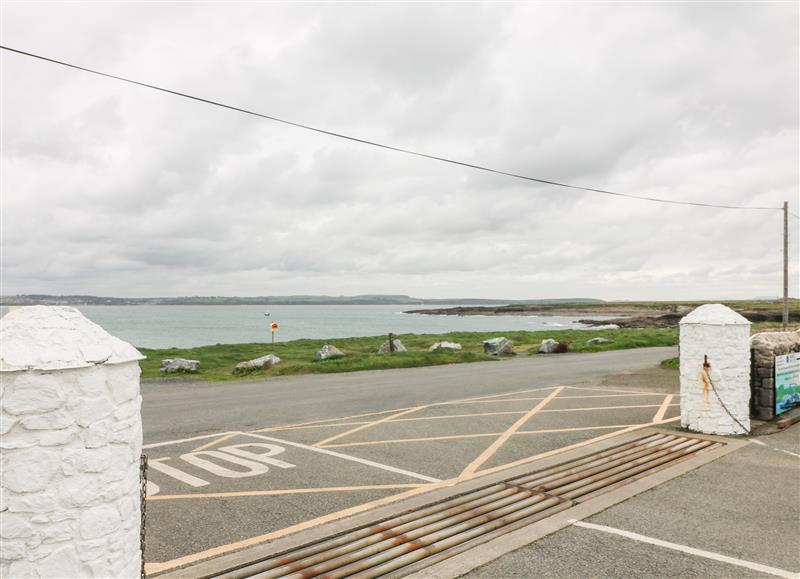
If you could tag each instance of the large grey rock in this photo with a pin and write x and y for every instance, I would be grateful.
(498, 347)
(548, 346)
(328, 351)
(262, 363)
(597, 341)
(444, 346)
(398, 347)
(179, 365)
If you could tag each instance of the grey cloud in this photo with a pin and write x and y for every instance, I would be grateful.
(109, 188)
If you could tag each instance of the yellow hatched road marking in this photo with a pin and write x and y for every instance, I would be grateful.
(634, 395)
(446, 416)
(570, 447)
(662, 410)
(637, 392)
(367, 425)
(275, 492)
(495, 446)
(498, 400)
(422, 439)
(320, 422)
(306, 426)
(602, 408)
(484, 435)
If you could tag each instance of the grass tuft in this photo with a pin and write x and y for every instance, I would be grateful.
(671, 363)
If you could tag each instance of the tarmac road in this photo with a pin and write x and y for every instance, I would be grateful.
(180, 410)
(420, 429)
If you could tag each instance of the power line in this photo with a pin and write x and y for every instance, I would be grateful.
(382, 145)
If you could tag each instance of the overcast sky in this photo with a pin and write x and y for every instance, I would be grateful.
(112, 189)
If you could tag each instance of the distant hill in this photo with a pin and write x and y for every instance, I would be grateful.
(368, 299)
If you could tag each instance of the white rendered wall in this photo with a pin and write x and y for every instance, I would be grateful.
(723, 336)
(71, 438)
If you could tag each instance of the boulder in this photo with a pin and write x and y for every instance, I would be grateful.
(398, 347)
(444, 346)
(597, 341)
(180, 365)
(328, 351)
(262, 363)
(548, 346)
(498, 347)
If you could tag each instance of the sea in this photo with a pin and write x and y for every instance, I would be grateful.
(190, 326)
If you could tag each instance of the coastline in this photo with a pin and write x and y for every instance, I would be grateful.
(624, 314)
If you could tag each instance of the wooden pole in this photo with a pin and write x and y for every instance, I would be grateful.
(785, 265)
(391, 342)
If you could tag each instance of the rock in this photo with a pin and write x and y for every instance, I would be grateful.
(597, 341)
(548, 346)
(180, 365)
(770, 344)
(328, 351)
(398, 347)
(498, 347)
(262, 363)
(444, 346)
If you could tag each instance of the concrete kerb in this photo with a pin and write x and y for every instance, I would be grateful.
(438, 492)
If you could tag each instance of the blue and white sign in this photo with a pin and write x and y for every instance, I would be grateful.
(787, 382)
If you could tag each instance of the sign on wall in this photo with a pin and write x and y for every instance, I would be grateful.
(787, 382)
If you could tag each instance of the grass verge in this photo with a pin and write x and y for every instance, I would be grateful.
(297, 357)
(671, 363)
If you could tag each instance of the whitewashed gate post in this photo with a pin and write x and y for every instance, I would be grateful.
(715, 371)
(71, 439)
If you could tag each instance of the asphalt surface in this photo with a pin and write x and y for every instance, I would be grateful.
(200, 500)
(179, 410)
(428, 424)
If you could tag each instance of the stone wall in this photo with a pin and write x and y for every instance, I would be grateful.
(71, 442)
(715, 334)
(764, 347)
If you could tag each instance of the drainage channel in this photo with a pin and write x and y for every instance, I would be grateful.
(433, 533)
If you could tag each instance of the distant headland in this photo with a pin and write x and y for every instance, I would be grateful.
(292, 300)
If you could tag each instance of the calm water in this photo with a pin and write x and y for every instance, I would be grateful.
(187, 326)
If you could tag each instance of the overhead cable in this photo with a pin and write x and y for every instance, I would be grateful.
(382, 145)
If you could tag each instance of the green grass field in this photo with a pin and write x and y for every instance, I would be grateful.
(297, 357)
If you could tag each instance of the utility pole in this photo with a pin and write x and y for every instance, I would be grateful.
(785, 265)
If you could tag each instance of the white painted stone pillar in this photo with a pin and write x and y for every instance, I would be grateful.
(70, 439)
(719, 336)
